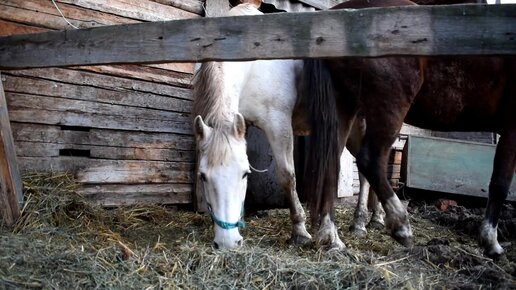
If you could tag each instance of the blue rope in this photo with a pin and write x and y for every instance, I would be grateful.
(227, 225)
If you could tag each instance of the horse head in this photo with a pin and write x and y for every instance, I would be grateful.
(223, 170)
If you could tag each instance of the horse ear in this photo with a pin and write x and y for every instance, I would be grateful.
(239, 124)
(201, 130)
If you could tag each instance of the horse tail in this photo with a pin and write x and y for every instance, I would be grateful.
(323, 162)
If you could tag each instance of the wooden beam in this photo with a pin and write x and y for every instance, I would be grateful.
(414, 30)
(11, 194)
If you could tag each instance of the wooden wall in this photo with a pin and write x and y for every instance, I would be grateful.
(123, 130)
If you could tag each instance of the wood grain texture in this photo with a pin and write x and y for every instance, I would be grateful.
(104, 81)
(99, 171)
(11, 194)
(120, 194)
(59, 111)
(98, 137)
(193, 6)
(146, 101)
(142, 9)
(415, 30)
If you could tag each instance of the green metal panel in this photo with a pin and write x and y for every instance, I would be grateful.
(452, 166)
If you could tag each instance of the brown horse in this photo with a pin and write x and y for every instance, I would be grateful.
(446, 94)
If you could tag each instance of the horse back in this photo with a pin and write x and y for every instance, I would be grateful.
(465, 94)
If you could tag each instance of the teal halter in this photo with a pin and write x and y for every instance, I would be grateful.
(226, 225)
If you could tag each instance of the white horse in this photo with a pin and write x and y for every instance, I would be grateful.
(265, 93)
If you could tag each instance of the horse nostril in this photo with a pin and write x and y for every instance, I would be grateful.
(239, 243)
(215, 245)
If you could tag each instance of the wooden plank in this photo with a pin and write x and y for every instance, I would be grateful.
(100, 171)
(452, 166)
(57, 111)
(120, 195)
(103, 81)
(185, 67)
(144, 73)
(414, 30)
(98, 137)
(193, 6)
(43, 87)
(11, 28)
(11, 194)
(78, 16)
(38, 149)
(141, 10)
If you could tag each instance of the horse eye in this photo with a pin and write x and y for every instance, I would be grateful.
(203, 177)
(245, 175)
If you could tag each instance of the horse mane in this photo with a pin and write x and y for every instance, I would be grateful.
(211, 103)
(208, 84)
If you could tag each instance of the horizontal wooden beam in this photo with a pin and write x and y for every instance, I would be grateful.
(414, 30)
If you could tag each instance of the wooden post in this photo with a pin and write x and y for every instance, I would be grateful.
(214, 8)
(11, 195)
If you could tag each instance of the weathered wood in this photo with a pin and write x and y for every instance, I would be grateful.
(186, 67)
(421, 30)
(80, 17)
(103, 81)
(24, 109)
(142, 9)
(42, 87)
(193, 6)
(143, 73)
(11, 28)
(37, 149)
(97, 171)
(451, 166)
(118, 195)
(11, 194)
(98, 137)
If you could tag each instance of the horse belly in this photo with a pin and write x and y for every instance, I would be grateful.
(463, 94)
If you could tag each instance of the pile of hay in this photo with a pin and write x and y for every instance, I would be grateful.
(63, 242)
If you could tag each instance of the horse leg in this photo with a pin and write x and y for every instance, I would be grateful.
(377, 219)
(354, 142)
(503, 172)
(372, 161)
(281, 140)
(327, 234)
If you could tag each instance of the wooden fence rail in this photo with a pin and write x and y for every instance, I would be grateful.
(414, 30)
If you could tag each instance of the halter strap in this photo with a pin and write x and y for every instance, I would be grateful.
(226, 225)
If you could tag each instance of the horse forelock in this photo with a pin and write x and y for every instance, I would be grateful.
(218, 146)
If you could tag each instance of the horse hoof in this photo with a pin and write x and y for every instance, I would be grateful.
(358, 232)
(336, 246)
(375, 225)
(299, 240)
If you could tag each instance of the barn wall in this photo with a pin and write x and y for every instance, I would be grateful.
(123, 130)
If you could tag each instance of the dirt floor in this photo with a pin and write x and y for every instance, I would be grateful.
(63, 242)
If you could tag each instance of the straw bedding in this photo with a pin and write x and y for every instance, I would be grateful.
(64, 242)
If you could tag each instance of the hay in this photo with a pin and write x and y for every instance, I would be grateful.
(64, 242)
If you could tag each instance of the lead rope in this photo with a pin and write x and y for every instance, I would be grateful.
(257, 170)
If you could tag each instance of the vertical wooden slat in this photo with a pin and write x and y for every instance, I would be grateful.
(214, 8)
(11, 195)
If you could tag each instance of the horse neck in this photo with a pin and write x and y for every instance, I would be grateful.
(217, 89)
